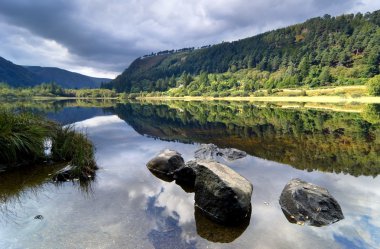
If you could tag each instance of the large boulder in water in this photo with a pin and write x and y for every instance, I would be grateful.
(306, 203)
(166, 162)
(222, 194)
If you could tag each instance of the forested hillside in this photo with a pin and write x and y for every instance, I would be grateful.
(323, 51)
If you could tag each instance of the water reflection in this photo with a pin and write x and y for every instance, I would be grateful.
(129, 208)
(20, 183)
(215, 232)
(306, 139)
(167, 232)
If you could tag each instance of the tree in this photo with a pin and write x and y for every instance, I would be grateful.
(374, 86)
(304, 67)
(325, 76)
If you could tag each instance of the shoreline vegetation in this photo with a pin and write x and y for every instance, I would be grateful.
(313, 99)
(332, 94)
(27, 139)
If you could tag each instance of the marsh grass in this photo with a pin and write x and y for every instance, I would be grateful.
(23, 139)
(74, 147)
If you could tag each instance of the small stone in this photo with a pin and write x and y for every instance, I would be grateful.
(39, 217)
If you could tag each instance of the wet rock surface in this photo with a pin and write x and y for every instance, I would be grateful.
(166, 162)
(222, 194)
(212, 152)
(185, 176)
(306, 203)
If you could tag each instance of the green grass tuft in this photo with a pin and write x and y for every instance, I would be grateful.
(23, 137)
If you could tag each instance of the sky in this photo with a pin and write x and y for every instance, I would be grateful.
(102, 37)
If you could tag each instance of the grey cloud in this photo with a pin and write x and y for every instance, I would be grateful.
(108, 35)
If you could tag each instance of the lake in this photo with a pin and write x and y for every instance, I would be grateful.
(126, 206)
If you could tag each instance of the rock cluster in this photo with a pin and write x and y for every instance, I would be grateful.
(221, 194)
(224, 196)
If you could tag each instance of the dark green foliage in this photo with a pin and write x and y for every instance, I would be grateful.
(339, 50)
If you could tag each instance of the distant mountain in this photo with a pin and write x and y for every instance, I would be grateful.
(343, 50)
(17, 76)
(66, 78)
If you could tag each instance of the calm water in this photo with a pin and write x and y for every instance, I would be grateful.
(128, 207)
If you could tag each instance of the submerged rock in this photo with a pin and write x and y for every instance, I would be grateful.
(306, 203)
(62, 175)
(232, 154)
(166, 162)
(212, 152)
(70, 172)
(222, 194)
(39, 217)
(207, 152)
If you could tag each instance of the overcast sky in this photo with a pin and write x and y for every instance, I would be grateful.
(102, 37)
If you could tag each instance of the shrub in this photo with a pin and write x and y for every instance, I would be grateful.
(374, 86)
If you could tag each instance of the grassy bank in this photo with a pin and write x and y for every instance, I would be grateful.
(26, 139)
(308, 99)
(359, 94)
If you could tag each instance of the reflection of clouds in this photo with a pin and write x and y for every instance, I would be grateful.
(126, 158)
(358, 197)
(118, 214)
(176, 203)
(101, 121)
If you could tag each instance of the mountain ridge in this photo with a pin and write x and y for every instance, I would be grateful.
(301, 54)
(26, 76)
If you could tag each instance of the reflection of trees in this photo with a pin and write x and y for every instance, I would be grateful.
(372, 113)
(305, 139)
(54, 106)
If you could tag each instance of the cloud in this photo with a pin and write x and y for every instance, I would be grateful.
(102, 37)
